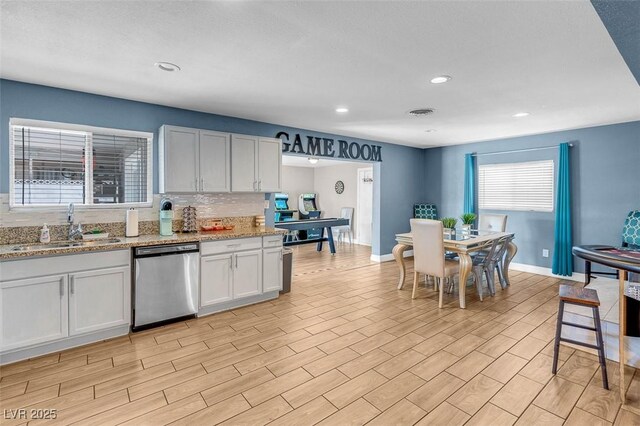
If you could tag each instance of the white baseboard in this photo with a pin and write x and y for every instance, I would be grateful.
(522, 267)
(388, 257)
(541, 270)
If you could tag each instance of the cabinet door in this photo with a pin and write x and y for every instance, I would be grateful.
(179, 164)
(215, 162)
(272, 269)
(216, 279)
(269, 164)
(33, 311)
(243, 163)
(247, 273)
(99, 299)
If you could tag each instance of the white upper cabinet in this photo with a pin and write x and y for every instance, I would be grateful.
(193, 160)
(244, 168)
(269, 164)
(215, 167)
(256, 164)
(178, 158)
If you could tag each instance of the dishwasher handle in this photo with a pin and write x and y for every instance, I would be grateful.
(165, 250)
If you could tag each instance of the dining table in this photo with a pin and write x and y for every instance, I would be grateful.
(463, 243)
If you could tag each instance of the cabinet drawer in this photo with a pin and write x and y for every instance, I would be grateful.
(226, 246)
(272, 241)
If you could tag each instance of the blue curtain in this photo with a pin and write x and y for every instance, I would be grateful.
(562, 257)
(469, 183)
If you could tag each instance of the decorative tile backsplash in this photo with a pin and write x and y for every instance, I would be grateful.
(208, 206)
(23, 226)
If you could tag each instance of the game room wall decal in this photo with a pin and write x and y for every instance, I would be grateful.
(326, 147)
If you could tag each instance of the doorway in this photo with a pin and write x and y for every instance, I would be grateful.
(364, 208)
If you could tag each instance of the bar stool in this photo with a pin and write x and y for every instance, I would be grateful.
(582, 297)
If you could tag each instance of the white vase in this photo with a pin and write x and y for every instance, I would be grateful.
(466, 229)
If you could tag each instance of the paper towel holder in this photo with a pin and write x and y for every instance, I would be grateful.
(131, 223)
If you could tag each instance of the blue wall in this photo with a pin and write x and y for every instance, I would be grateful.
(605, 175)
(398, 187)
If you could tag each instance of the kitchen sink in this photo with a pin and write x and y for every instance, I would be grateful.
(65, 244)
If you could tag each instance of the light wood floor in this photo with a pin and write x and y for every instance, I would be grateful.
(344, 347)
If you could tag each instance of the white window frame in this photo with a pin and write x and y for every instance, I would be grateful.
(88, 131)
(520, 208)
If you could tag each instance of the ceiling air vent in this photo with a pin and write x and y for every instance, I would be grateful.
(422, 111)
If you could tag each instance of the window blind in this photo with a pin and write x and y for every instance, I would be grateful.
(119, 169)
(53, 166)
(516, 186)
(48, 166)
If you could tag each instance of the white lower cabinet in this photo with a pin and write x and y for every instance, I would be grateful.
(272, 267)
(51, 300)
(240, 271)
(99, 299)
(216, 279)
(33, 311)
(247, 273)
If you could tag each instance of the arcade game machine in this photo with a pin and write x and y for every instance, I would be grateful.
(282, 211)
(309, 210)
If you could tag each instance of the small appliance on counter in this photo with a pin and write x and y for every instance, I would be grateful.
(166, 217)
(189, 220)
(131, 223)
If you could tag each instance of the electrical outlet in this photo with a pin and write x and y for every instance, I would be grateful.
(266, 204)
(545, 252)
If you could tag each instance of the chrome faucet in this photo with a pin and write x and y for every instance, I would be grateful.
(74, 230)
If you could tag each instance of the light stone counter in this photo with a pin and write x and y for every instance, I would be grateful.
(8, 252)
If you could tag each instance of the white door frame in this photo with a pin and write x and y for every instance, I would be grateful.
(358, 207)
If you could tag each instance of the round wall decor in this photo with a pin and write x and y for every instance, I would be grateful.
(339, 187)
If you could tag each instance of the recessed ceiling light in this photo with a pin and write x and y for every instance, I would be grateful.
(342, 109)
(521, 114)
(440, 79)
(313, 160)
(167, 66)
(430, 130)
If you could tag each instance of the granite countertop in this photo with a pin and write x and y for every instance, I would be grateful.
(7, 252)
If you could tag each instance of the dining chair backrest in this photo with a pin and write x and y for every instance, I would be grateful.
(631, 230)
(499, 249)
(493, 222)
(428, 246)
(347, 213)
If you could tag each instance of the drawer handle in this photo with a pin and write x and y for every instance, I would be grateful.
(72, 285)
(233, 245)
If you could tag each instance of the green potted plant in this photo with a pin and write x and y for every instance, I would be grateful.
(467, 221)
(449, 224)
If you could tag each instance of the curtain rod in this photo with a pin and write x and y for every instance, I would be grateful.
(517, 150)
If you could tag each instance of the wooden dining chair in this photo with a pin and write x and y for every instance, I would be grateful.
(428, 254)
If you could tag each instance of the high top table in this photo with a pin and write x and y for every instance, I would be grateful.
(624, 260)
(463, 244)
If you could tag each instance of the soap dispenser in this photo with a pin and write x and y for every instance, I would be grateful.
(45, 237)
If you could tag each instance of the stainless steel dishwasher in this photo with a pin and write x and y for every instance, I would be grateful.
(165, 284)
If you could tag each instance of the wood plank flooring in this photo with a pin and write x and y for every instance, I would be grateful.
(344, 347)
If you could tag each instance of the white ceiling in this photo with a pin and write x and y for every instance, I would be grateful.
(299, 161)
(292, 63)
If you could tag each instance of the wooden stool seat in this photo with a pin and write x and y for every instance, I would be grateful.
(582, 297)
(579, 296)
